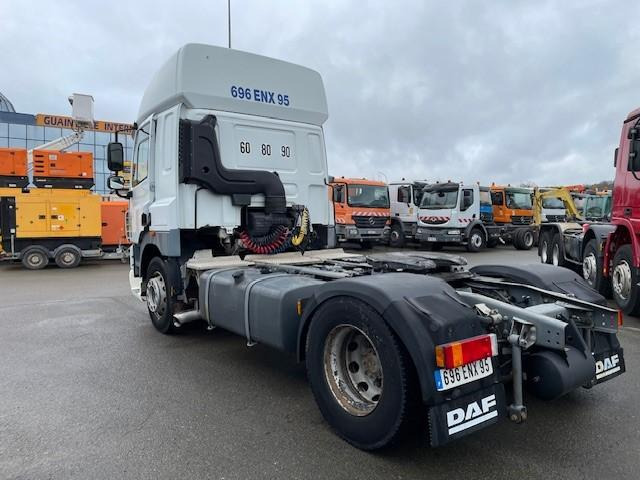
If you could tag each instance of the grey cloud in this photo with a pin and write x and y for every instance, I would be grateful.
(504, 91)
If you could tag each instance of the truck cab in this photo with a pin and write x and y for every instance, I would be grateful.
(361, 209)
(450, 214)
(513, 212)
(404, 199)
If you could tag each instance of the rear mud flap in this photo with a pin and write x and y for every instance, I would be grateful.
(608, 365)
(464, 415)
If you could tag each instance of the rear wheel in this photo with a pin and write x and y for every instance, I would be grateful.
(592, 269)
(396, 237)
(160, 296)
(476, 240)
(68, 256)
(545, 247)
(360, 375)
(624, 281)
(523, 239)
(35, 258)
(557, 251)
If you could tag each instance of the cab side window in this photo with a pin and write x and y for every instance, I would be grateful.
(496, 198)
(338, 193)
(404, 195)
(141, 158)
(467, 199)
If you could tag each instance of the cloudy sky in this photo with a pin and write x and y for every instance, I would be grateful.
(504, 91)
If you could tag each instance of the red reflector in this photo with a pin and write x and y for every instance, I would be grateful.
(620, 318)
(454, 354)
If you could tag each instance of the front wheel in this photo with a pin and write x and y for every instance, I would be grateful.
(476, 240)
(160, 296)
(360, 375)
(624, 281)
(396, 237)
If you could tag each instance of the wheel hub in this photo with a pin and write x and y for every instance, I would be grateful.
(590, 269)
(68, 258)
(621, 279)
(476, 240)
(353, 370)
(156, 294)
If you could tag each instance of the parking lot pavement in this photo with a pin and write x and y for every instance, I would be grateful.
(88, 389)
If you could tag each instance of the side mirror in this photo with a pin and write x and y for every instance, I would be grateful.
(115, 182)
(115, 157)
(337, 194)
(634, 155)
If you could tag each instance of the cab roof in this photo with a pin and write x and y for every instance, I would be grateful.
(202, 76)
(358, 181)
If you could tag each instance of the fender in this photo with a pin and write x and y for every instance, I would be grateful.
(422, 311)
(476, 223)
(622, 233)
(167, 243)
(599, 232)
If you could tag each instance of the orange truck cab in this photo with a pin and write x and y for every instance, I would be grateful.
(361, 209)
(513, 211)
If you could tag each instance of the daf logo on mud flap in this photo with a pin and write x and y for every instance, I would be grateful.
(607, 366)
(476, 412)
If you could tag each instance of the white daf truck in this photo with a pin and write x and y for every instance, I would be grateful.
(404, 200)
(231, 225)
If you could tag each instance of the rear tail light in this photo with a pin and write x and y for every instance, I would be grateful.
(454, 354)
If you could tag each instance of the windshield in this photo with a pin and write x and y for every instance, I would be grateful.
(368, 196)
(579, 202)
(485, 197)
(519, 200)
(439, 199)
(551, 202)
(597, 207)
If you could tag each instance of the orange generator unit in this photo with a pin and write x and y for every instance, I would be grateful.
(56, 169)
(114, 232)
(13, 168)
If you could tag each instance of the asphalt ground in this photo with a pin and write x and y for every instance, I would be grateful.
(89, 390)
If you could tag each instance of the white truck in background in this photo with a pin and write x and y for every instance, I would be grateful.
(230, 188)
(404, 200)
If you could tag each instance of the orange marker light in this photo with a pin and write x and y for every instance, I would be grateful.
(454, 354)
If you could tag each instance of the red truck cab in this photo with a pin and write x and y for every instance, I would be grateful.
(622, 248)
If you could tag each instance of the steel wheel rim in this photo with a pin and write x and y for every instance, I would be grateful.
(353, 370)
(476, 240)
(67, 258)
(395, 236)
(528, 239)
(156, 294)
(555, 254)
(621, 280)
(590, 268)
(544, 254)
(35, 259)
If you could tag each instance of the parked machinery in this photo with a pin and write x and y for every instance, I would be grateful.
(13, 168)
(404, 198)
(361, 209)
(513, 212)
(455, 214)
(388, 340)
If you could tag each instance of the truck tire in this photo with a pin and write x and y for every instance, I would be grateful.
(624, 282)
(557, 251)
(35, 257)
(545, 247)
(592, 269)
(523, 239)
(360, 375)
(476, 241)
(160, 297)
(396, 237)
(67, 256)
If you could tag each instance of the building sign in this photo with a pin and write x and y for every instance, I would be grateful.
(68, 122)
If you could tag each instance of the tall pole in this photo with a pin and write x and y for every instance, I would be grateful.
(229, 18)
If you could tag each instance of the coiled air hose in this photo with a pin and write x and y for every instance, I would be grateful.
(278, 239)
